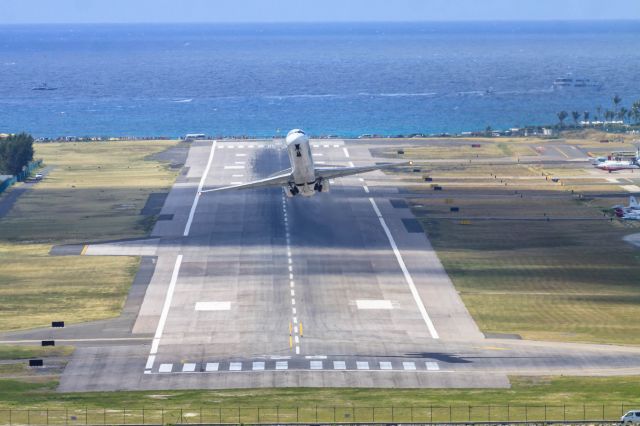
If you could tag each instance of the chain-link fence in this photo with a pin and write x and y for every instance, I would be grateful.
(440, 414)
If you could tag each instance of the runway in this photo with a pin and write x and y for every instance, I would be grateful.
(254, 289)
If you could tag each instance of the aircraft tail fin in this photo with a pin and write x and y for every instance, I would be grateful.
(633, 202)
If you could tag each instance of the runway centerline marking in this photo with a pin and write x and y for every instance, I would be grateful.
(405, 271)
(194, 205)
(165, 310)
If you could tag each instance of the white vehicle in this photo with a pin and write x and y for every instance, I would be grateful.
(632, 417)
(303, 178)
(39, 176)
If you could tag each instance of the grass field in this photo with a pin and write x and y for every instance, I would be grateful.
(94, 192)
(552, 280)
(608, 394)
(12, 352)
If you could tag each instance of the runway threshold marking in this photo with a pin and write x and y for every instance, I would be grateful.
(194, 205)
(165, 312)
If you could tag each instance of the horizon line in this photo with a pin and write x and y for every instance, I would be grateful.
(442, 21)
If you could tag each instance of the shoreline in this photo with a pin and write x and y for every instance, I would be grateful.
(541, 131)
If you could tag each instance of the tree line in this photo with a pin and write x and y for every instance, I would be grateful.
(631, 115)
(16, 151)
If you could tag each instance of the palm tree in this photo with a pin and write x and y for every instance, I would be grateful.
(575, 115)
(562, 115)
(622, 114)
(616, 100)
(608, 115)
(586, 116)
(635, 111)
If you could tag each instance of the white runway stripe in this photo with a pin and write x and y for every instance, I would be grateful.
(189, 367)
(165, 368)
(405, 271)
(409, 365)
(339, 365)
(187, 228)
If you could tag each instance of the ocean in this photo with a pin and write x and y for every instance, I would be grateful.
(329, 79)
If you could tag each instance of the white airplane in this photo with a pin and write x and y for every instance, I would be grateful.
(633, 215)
(615, 164)
(303, 178)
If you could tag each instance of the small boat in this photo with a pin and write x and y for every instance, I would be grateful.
(571, 82)
(44, 86)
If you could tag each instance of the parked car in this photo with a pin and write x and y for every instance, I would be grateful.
(631, 418)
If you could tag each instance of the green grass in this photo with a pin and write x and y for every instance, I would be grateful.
(556, 280)
(555, 391)
(94, 192)
(10, 352)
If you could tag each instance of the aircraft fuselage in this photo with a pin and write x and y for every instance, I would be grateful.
(302, 168)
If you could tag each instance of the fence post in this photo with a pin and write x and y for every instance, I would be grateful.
(602, 412)
(28, 416)
(238, 415)
(10, 419)
(143, 416)
(545, 413)
(317, 413)
(86, 415)
(392, 414)
(124, 416)
(564, 412)
(449, 413)
(584, 412)
(163, 415)
(489, 412)
(334, 414)
(431, 413)
(104, 416)
(508, 412)
(469, 408)
(278, 413)
(200, 415)
(412, 414)
(66, 416)
(47, 416)
(258, 414)
(526, 412)
(374, 414)
(219, 414)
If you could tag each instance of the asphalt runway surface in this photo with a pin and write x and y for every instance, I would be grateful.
(253, 289)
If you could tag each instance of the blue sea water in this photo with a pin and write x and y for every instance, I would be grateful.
(339, 79)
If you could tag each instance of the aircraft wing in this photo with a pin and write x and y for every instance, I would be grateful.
(271, 181)
(336, 172)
